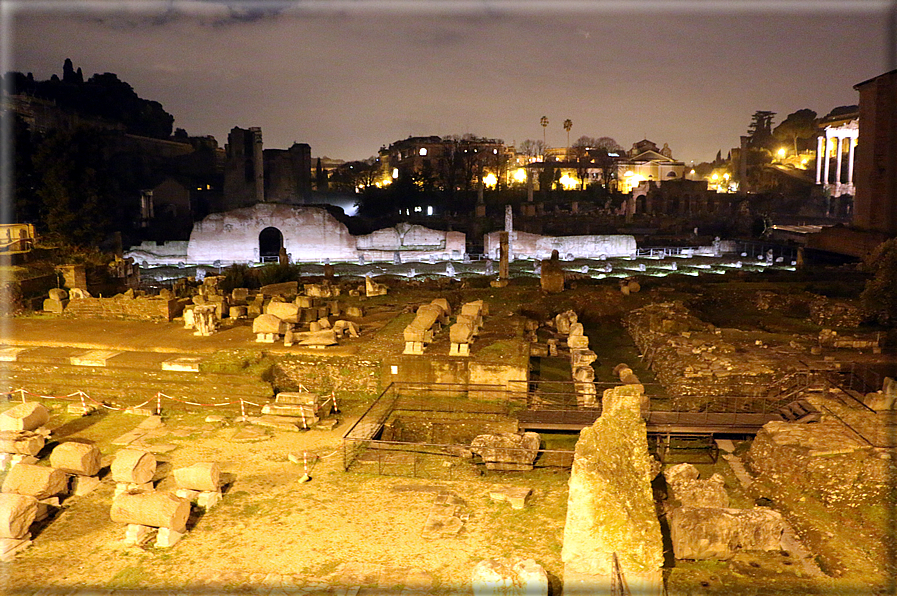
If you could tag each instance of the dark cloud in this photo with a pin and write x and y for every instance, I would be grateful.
(347, 77)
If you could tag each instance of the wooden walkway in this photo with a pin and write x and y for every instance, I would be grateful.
(657, 422)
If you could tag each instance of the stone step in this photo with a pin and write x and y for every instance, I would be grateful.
(66, 369)
(103, 383)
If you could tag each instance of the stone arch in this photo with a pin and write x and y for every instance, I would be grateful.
(270, 243)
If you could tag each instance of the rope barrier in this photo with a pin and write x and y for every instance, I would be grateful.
(84, 397)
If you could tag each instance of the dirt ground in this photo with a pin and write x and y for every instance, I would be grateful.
(338, 530)
(341, 531)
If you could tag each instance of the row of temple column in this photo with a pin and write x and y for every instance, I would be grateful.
(838, 136)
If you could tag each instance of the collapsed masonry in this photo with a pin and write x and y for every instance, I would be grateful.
(696, 361)
(611, 520)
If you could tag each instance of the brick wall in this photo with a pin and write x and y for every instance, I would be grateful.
(124, 307)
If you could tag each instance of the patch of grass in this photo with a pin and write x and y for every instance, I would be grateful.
(244, 362)
(130, 577)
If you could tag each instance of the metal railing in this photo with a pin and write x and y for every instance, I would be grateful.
(438, 398)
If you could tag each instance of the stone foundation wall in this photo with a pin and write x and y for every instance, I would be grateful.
(325, 374)
(693, 359)
(122, 306)
(825, 459)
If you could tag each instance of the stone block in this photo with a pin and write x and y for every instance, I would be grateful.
(133, 466)
(82, 459)
(277, 422)
(137, 534)
(320, 339)
(10, 547)
(208, 499)
(289, 288)
(21, 442)
(268, 324)
(203, 476)
(563, 321)
(55, 306)
(515, 495)
(580, 357)
(58, 294)
(157, 509)
(507, 451)
(343, 328)
(25, 416)
(83, 485)
(166, 537)
(718, 533)
(285, 311)
(459, 349)
(17, 513)
(578, 342)
(413, 347)
(40, 482)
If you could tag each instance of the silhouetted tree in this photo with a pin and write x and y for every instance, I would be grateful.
(77, 197)
(102, 96)
(760, 129)
(798, 125)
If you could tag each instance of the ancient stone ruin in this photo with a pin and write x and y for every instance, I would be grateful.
(703, 526)
(200, 483)
(612, 526)
(507, 451)
(427, 322)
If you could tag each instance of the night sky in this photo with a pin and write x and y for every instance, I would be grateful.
(349, 76)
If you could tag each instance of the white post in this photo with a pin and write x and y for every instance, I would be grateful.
(838, 160)
(820, 150)
(850, 161)
(827, 156)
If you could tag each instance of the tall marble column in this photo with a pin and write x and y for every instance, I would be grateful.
(838, 160)
(820, 151)
(850, 161)
(827, 160)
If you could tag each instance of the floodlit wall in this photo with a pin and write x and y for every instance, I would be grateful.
(310, 234)
(412, 242)
(535, 246)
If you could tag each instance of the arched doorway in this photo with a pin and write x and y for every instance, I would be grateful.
(270, 243)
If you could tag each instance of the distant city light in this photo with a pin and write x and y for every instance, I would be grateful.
(423, 151)
(568, 183)
(429, 210)
(782, 153)
(395, 172)
(520, 175)
(490, 180)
